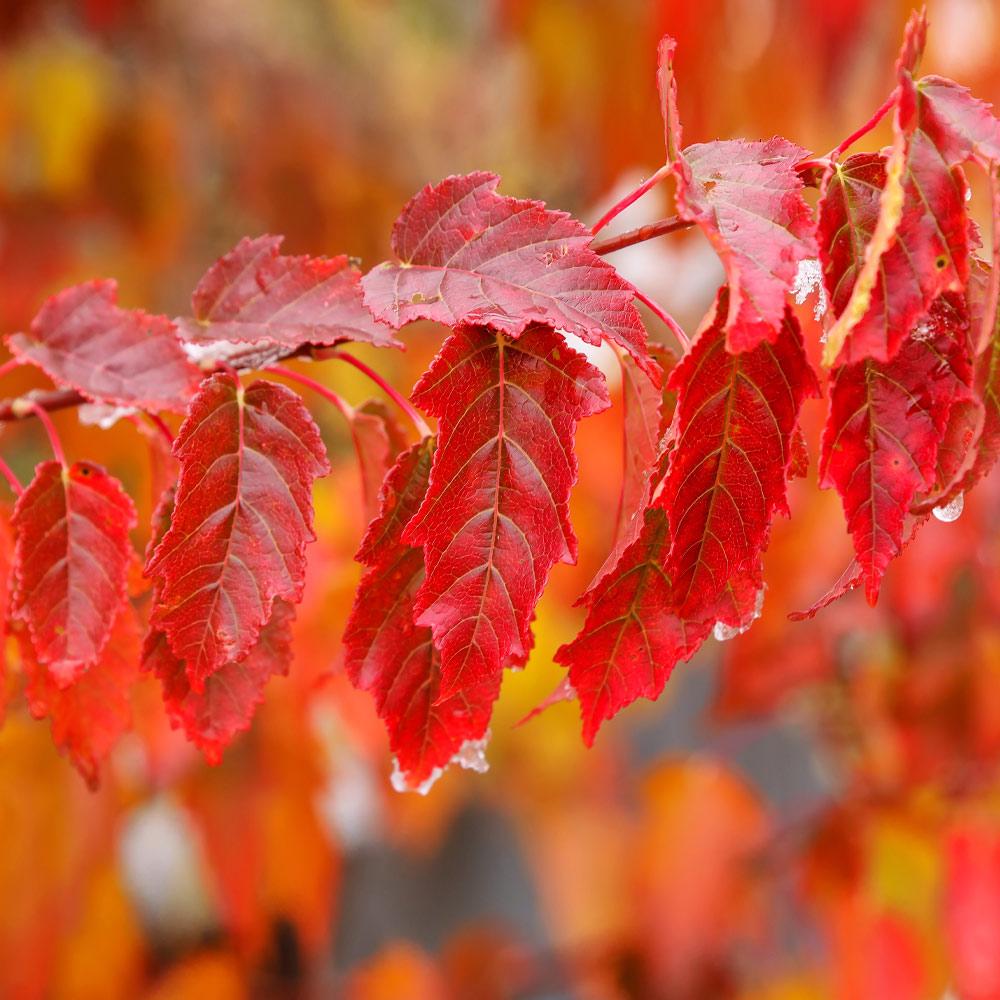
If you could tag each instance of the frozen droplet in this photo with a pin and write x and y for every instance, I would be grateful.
(101, 415)
(722, 632)
(471, 756)
(809, 278)
(924, 330)
(951, 511)
(968, 194)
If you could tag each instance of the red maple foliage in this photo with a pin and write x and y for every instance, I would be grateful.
(467, 521)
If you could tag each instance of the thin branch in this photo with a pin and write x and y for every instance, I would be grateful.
(400, 400)
(629, 199)
(49, 400)
(639, 235)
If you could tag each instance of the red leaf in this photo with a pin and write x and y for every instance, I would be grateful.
(921, 211)
(124, 357)
(213, 718)
(72, 553)
(396, 660)
(643, 419)
(495, 518)
(89, 716)
(632, 637)
(378, 439)
(746, 197)
(255, 294)
(470, 256)
(881, 440)
(959, 125)
(987, 380)
(243, 517)
(736, 415)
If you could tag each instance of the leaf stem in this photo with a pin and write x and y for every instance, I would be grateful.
(160, 424)
(310, 383)
(887, 106)
(988, 329)
(658, 310)
(26, 404)
(8, 473)
(633, 196)
(639, 235)
(11, 364)
(401, 401)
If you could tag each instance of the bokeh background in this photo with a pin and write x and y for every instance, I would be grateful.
(810, 812)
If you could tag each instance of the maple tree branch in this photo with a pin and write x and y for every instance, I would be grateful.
(398, 398)
(887, 106)
(35, 407)
(630, 198)
(8, 473)
(639, 235)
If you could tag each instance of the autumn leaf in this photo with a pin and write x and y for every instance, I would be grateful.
(90, 715)
(243, 517)
(254, 293)
(915, 247)
(71, 558)
(378, 439)
(882, 435)
(633, 636)
(83, 340)
(213, 717)
(746, 197)
(468, 256)
(735, 422)
(495, 518)
(959, 125)
(388, 655)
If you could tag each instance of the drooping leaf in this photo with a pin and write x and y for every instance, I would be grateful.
(82, 340)
(467, 255)
(736, 417)
(643, 418)
(72, 553)
(633, 637)
(920, 211)
(747, 199)
(213, 717)
(960, 125)
(395, 659)
(495, 517)
(90, 715)
(883, 432)
(242, 520)
(254, 293)
(378, 439)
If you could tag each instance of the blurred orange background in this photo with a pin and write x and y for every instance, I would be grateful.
(810, 811)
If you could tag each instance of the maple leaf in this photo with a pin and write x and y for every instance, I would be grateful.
(920, 211)
(746, 197)
(378, 439)
(495, 517)
(882, 435)
(735, 421)
(644, 414)
(213, 717)
(960, 125)
(83, 340)
(633, 637)
(254, 293)
(71, 558)
(468, 256)
(243, 516)
(90, 715)
(395, 659)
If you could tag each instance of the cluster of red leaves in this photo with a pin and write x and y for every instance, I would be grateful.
(469, 522)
